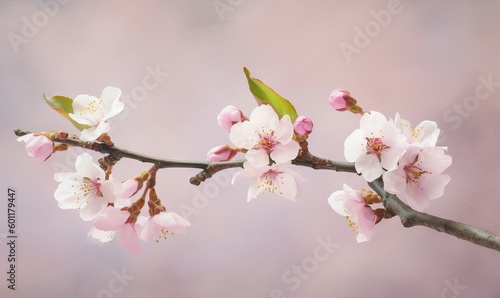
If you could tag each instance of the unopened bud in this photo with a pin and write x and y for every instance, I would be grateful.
(221, 153)
(341, 100)
(229, 116)
(303, 125)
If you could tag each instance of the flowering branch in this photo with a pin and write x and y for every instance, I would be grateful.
(400, 163)
(410, 218)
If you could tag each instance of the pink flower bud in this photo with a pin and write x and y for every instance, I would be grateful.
(221, 153)
(303, 125)
(229, 116)
(339, 99)
(37, 146)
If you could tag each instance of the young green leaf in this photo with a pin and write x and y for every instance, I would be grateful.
(63, 105)
(264, 94)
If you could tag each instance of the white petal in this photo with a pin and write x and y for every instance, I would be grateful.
(254, 190)
(337, 200)
(426, 133)
(264, 119)
(243, 135)
(87, 110)
(86, 168)
(354, 145)
(60, 177)
(369, 166)
(110, 101)
(91, 210)
(92, 133)
(372, 124)
(286, 186)
(257, 157)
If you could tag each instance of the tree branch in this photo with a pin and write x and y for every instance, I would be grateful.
(410, 218)
(393, 205)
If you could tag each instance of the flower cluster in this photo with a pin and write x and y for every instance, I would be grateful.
(269, 147)
(94, 192)
(406, 158)
(100, 198)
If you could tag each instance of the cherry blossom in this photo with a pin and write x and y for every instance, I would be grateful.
(94, 112)
(113, 225)
(303, 125)
(425, 134)
(361, 218)
(37, 146)
(418, 177)
(277, 179)
(229, 116)
(161, 224)
(339, 99)
(376, 146)
(221, 153)
(85, 189)
(265, 136)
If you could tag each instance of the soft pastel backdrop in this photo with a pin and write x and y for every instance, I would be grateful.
(423, 61)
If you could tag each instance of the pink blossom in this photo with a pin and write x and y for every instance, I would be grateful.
(376, 146)
(221, 153)
(339, 99)
(229, 116)
(418, 177)
(112, 225)
(303, 125)
(37, 146)
(265, 136)
(277, 179)
(161, 224)
(361, 218)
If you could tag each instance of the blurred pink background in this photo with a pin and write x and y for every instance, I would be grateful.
(422, 59)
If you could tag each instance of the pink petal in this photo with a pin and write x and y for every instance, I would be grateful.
(434, 185)
(129, 239)
(395, 182)
(284, 153)
(284, 132)
(111, 219)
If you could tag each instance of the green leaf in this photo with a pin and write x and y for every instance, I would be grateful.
(264, 94)
(64, 106)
